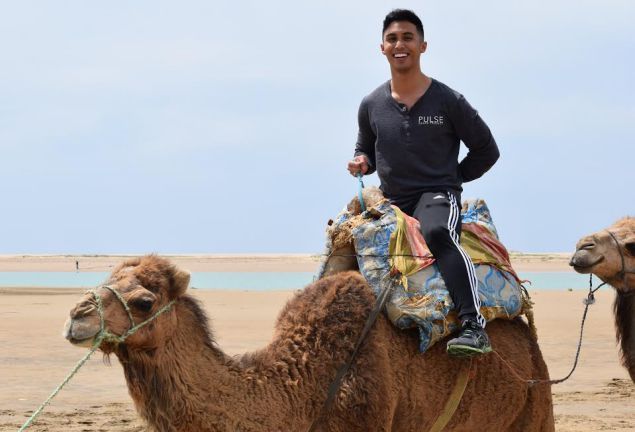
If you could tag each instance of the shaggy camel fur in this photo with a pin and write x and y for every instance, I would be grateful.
(180, 380)
(602, 255)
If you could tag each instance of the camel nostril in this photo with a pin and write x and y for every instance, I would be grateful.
(574, 261)
(587, 246)
(82, 309)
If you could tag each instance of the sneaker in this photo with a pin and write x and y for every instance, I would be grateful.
(471, 341)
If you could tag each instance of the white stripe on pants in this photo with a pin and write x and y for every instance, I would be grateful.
(453, 219)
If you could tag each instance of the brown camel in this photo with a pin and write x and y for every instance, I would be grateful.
(610, 255)
(180, 380)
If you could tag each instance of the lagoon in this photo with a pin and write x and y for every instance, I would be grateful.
(256, 281)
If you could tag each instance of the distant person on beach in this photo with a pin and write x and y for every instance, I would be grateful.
(410, 129)
(76, 265)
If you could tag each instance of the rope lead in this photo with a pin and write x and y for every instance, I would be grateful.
(588, 301)
(359, 191)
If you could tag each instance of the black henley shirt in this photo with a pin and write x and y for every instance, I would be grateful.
(416, 150)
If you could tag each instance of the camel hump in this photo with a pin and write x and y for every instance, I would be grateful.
(346, 293)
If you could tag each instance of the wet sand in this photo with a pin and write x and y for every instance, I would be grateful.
(35, 358)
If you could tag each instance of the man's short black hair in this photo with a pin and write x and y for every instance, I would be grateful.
(403, 15)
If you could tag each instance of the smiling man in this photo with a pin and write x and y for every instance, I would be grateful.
(410, 129)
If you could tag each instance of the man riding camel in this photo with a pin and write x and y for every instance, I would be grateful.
(410, 129)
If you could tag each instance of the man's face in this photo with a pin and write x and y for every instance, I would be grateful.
(402, 45)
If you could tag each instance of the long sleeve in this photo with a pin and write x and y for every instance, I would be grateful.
(365, 137)
(482, 149)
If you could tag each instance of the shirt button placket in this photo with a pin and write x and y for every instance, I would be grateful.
(406, 122)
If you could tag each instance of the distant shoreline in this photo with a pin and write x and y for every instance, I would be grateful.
(539, 262)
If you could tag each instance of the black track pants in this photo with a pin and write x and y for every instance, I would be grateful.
(439, 214)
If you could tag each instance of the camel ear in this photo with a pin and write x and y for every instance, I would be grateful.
(180, 281)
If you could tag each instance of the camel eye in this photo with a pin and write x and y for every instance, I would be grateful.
(630, 247)
(144, 304)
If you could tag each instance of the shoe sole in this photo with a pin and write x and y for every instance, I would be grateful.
(467, 351)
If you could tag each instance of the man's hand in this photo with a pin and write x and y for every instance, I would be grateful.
(357, 165)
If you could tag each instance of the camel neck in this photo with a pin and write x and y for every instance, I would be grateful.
(624, 309)
(189, 375)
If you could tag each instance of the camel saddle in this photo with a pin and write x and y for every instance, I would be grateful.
(390, 249)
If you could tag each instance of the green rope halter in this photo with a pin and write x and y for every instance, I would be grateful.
(102, 335)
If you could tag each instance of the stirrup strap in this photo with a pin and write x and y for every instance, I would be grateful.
(455, 398)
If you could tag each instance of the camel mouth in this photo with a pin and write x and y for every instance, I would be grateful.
(79, 334)
(82, 343)
(581, 265)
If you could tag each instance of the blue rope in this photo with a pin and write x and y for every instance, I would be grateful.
(359, 192)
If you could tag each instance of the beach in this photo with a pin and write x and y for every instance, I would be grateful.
(35, 357)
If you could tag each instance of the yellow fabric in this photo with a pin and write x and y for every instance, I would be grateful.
(472, 245)
(476, 240)
(401, 253)
(480, 254)
(399, 246)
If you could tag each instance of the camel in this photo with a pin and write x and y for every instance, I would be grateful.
(180, 380)
(610, 255)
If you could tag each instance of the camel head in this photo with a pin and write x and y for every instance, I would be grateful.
(146, 285)
(601, 253)
(610, 255)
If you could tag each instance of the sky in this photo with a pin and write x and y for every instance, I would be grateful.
(224, 127)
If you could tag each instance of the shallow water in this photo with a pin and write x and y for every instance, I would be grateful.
(256, 281)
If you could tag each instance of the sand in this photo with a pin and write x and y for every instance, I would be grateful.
(35, 357)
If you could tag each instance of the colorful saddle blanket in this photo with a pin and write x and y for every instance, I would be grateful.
(392, 250)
